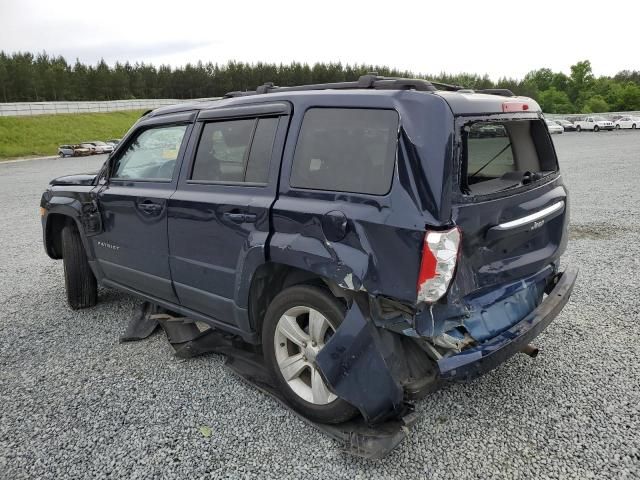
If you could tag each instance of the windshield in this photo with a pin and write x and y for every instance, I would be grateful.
(600, 119)
(498, 155)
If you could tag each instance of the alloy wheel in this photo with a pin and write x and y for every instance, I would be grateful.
(300, 334)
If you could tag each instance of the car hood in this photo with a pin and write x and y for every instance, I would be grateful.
(79, 179)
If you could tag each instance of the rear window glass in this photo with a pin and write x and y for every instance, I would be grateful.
(505, 154)
(347, 150)
(222, 151)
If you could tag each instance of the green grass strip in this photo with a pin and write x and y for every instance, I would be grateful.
(40, 135)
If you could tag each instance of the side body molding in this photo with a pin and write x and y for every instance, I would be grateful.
(354, 363)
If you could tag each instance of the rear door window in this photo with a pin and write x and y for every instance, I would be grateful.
(499, 155)
(261, 148)
(235, 151)
(346, 150)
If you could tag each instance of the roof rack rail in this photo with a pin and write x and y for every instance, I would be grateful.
(504, 92)
(369, 81)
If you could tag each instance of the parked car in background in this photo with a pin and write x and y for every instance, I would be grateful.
(102, 147)
(627, 122)
(90, 146)
(114, 142)
(554, 127)
(595, 123)
(483, 131)
(65, 150)
(566, 125)
(73, 151)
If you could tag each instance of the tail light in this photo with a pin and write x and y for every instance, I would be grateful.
(439, 258)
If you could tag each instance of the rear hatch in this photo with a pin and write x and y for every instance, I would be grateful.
(512, 209)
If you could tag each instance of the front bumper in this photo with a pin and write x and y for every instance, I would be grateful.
(475, 361)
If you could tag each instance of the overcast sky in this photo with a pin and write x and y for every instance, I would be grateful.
(501, 38)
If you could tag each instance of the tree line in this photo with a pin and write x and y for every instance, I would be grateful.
(27, 77)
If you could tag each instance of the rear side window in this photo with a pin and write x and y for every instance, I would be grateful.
(499, 155)
(235, 151)
(346, 150)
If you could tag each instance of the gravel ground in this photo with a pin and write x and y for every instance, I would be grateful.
(77, 404)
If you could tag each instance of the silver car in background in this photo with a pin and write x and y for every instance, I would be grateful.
(553, 127)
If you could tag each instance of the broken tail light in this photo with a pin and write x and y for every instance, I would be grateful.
(438, 264)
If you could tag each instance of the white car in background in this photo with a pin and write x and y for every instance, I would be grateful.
(627, 122)
(554, 127)
(595, 123)
(102, 147)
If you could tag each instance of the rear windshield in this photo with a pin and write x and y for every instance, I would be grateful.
(499, 155)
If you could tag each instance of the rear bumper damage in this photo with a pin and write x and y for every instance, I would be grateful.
(361, 362)
(475, 361)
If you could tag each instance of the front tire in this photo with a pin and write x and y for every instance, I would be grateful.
(578, 129)
(79, 281)
(618, 127)
(633, 127)
(596, 128)
(298, 323)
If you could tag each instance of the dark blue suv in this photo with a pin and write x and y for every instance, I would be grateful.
(371, 238)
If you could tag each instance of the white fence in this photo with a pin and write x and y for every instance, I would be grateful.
(52, 108)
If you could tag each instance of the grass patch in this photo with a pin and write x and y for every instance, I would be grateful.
(41, 134)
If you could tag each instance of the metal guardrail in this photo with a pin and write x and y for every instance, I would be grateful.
(53, 108)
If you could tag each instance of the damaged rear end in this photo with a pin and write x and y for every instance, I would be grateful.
(488, 279)
(511, 212)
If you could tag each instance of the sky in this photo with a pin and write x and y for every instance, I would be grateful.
(499, 38)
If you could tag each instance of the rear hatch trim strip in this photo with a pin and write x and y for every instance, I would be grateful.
(519, 222)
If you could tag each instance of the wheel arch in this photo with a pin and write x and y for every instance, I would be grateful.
(55, 222)
(271, 278)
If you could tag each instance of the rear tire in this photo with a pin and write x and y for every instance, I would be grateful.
(633, 127)
(618, 127)
(578, 129)
(288, 323)
(79, 281)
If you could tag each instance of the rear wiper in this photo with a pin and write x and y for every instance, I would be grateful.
(520, 179)
(486, 164)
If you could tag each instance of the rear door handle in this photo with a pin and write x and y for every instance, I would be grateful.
(240, 217)
(149, 207)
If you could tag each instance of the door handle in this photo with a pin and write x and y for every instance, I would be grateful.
(236, 217)
(149, 207)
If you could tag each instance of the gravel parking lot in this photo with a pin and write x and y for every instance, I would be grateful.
(77, 404)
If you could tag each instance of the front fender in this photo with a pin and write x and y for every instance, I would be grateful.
(69, 206)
